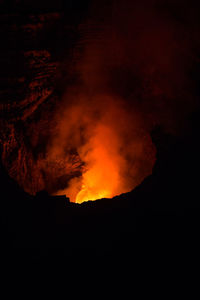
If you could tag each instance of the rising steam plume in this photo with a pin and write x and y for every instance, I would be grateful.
(115, 150)
(132, 68)
(131, 75)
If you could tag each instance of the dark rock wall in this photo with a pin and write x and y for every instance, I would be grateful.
(37, 39)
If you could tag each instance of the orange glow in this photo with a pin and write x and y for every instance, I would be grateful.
(102, 179)
(123, 70)
(116, 152)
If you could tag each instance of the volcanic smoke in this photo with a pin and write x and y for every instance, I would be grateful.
(130, 78)
(130, 70)
(116, 153)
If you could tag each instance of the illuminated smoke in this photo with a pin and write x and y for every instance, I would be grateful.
(132, 69)
(131, 76)
(117, 153)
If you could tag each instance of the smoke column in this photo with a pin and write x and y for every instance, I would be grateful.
(132, 68)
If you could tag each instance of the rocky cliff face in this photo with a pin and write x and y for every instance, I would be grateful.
(36, 39)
